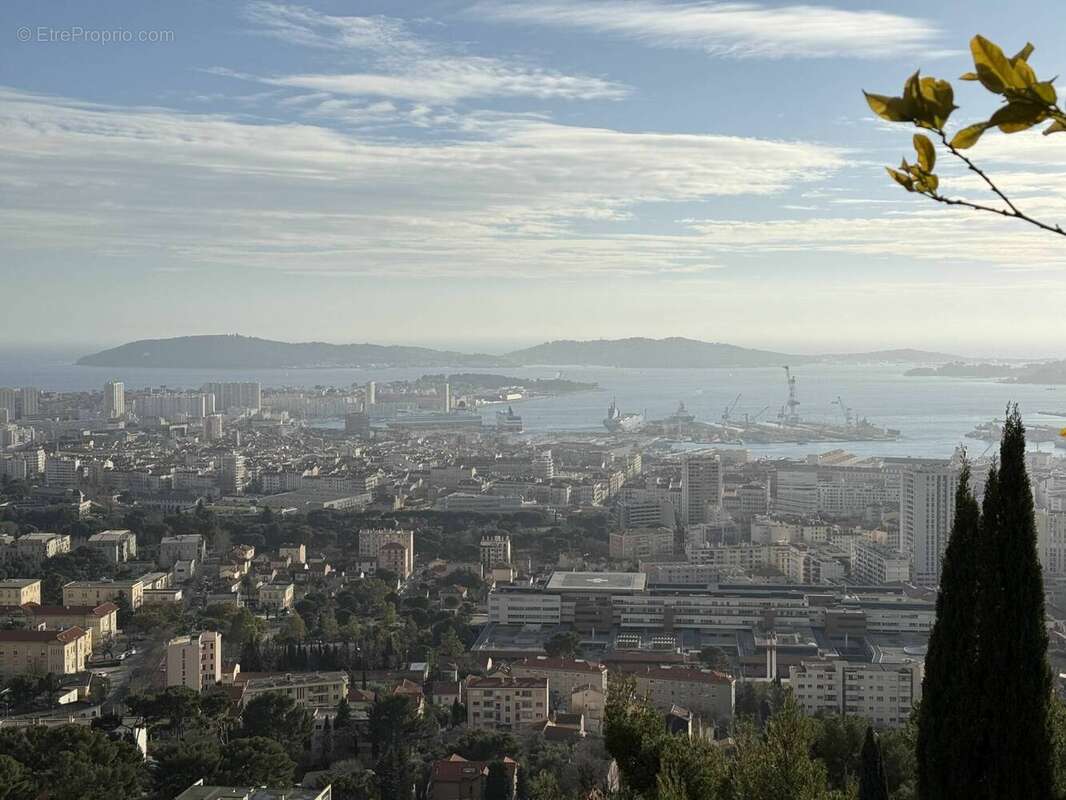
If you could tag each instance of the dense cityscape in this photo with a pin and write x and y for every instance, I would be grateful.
(250, 596)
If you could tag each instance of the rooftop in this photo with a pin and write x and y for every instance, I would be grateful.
(597, 581)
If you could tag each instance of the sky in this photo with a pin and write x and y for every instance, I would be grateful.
(490, 174)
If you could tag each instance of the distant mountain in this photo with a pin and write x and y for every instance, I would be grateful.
(247, 352)
(1048, 372)
(674, 352)
(903, 356)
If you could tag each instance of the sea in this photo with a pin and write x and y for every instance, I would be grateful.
(932, 414)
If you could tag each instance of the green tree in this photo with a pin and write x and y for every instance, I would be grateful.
(715, 658)
(277, 716)
(778, 764)
(545, 786)
(633, 733)
(393, 722)
(947, 739)
(15, 781)
(395, 781)
(497, 783)
(563, 645)
(293, 629)
(73, 762)
(255, 761)
(1013, 709)
(873, 785)
(927, 103)
(838, 744)
(178, 765)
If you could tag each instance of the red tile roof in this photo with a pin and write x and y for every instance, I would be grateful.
(65, 636)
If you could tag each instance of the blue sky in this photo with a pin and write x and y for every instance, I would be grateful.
(491, 173)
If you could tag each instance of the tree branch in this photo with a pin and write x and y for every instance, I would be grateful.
(1013, 211)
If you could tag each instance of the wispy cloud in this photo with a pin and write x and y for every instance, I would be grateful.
(513, 196)
(737, 30)
(407, 67)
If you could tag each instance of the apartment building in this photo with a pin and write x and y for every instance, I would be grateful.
(195, 661)
(372, 540)
(187, 547)
(884, 694)
(119, 546)
(19, 591)
(564, 675)
(99, 621)
(506, 703)
(308, 689)
(276, 596)
(712, 695)
(494, 550)
(40, 652)
(37, 547)
(879, 564)
(926, 512)
(94, 593)
(634, 543)
(396, 558)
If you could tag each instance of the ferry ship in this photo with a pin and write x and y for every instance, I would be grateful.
(617, 422)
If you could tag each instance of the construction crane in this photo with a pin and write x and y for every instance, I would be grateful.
(791, 416)
(728, 410)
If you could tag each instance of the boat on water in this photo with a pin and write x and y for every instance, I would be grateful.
(617, 422)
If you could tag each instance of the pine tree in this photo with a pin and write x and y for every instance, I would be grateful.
(1012, 653)
(497, 784)
(945, 739)
(873, 785)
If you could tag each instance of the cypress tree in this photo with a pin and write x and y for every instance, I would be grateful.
(873, 784)
(946, 738)
(1012, 655)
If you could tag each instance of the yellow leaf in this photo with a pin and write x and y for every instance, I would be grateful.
(1045, 91)
(1023, 54)
(993, 69)
(937, 101)
(926, 152)
(1018, 116)
(968, 76)
(932, 183)
(1055, 127)
(890, 108)
(902, 179)
(968, 136)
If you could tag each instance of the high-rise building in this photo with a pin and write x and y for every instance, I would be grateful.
(114, 399)
(195, 662)
(212, 427)
(446, 398)
(30, 396)
(8, 401)
(371, 394)
(926, 511)
(229, 395)
(701, 487)
(234, 474)
(544, 465)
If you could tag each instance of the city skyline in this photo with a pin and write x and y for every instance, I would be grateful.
(458, 173)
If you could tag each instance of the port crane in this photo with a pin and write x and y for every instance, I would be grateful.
(791, 416)
(849, 413)
(727, 412)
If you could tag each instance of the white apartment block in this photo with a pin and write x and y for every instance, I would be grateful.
(883, 694)
(564, 675)
(875, 563)
(195, 661)
(371, 541)
(926, 512)
(307, 689)
(701, 486)
(39, 546)
(506, 703)
(1051, 541)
